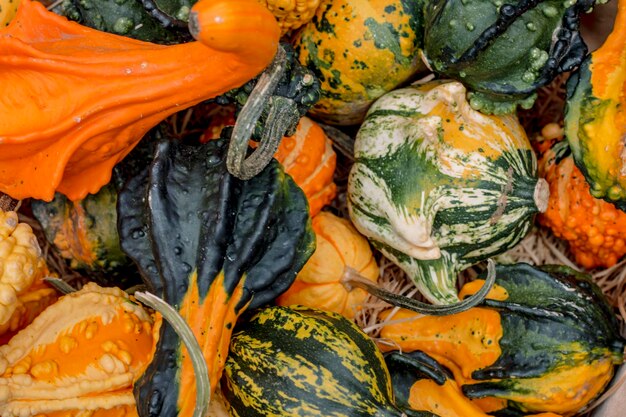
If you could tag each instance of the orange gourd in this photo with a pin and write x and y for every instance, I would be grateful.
(319, 283)
(594, 228)
(307, 156)
(80, 356)
(75, 100)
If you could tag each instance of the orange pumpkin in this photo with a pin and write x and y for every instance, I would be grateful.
(319, 283)
(75, 100)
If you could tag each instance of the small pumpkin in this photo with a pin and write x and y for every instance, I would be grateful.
(544, 340)
(304, 362)
(595, 120)
(421, 383)
(593, 227)
(80, 355)
(437, 186)
(319, 283)
(8, 8)
(211, 246)
(503, 52)
(359, 50)
(74, 148)
(23, 293)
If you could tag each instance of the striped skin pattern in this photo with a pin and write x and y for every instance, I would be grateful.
(302, 362)
(438, 187)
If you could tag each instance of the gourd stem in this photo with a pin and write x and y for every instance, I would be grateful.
(353, 278)
(203, 386)
(281, 113)
(59, 285)
(7, 203)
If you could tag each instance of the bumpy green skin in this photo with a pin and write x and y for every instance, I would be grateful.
(503, 51)
(129, 18)
(187, 215)
(583, 107)
(554, 318)
(406, 176)
(302, 362)
(97, 212)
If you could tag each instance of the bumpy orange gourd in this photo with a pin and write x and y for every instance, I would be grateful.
(318, 285)
(307, 156)
(595, 229)
(82, 354)
(75, 100)
(23, 294)
(291, 14)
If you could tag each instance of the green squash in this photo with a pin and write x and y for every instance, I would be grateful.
(503, 51)
(359, 50)
(544, 340)
(303, 362)
(595, 120)
(138, 19)
(437, 186)
(210, 246)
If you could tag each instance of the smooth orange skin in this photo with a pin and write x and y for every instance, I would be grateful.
(75, 101)
(319, 283)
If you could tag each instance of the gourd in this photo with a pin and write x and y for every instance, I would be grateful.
(595, 122)
(303, 362)
(291, 14)
(85, 234)
(307, 156)
(8, 8)
(23, 293)
(503, 52)
(544, 340)
(133, 19)
(592, 227)
(437, 186)
(73, 148)
(80, 355)
(338, 247)
(420, 382)
(211, 246)
(359, 50)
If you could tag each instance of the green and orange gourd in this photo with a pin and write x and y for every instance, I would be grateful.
(544, 340)
(211, 246)
(359, 50)
(595, 119)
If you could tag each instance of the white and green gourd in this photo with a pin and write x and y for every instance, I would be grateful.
(438, 187)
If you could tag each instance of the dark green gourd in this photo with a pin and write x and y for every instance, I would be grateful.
(211, 246)
(503, 51)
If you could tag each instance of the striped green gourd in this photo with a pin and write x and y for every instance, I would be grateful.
(438, 186)
(303, 362)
